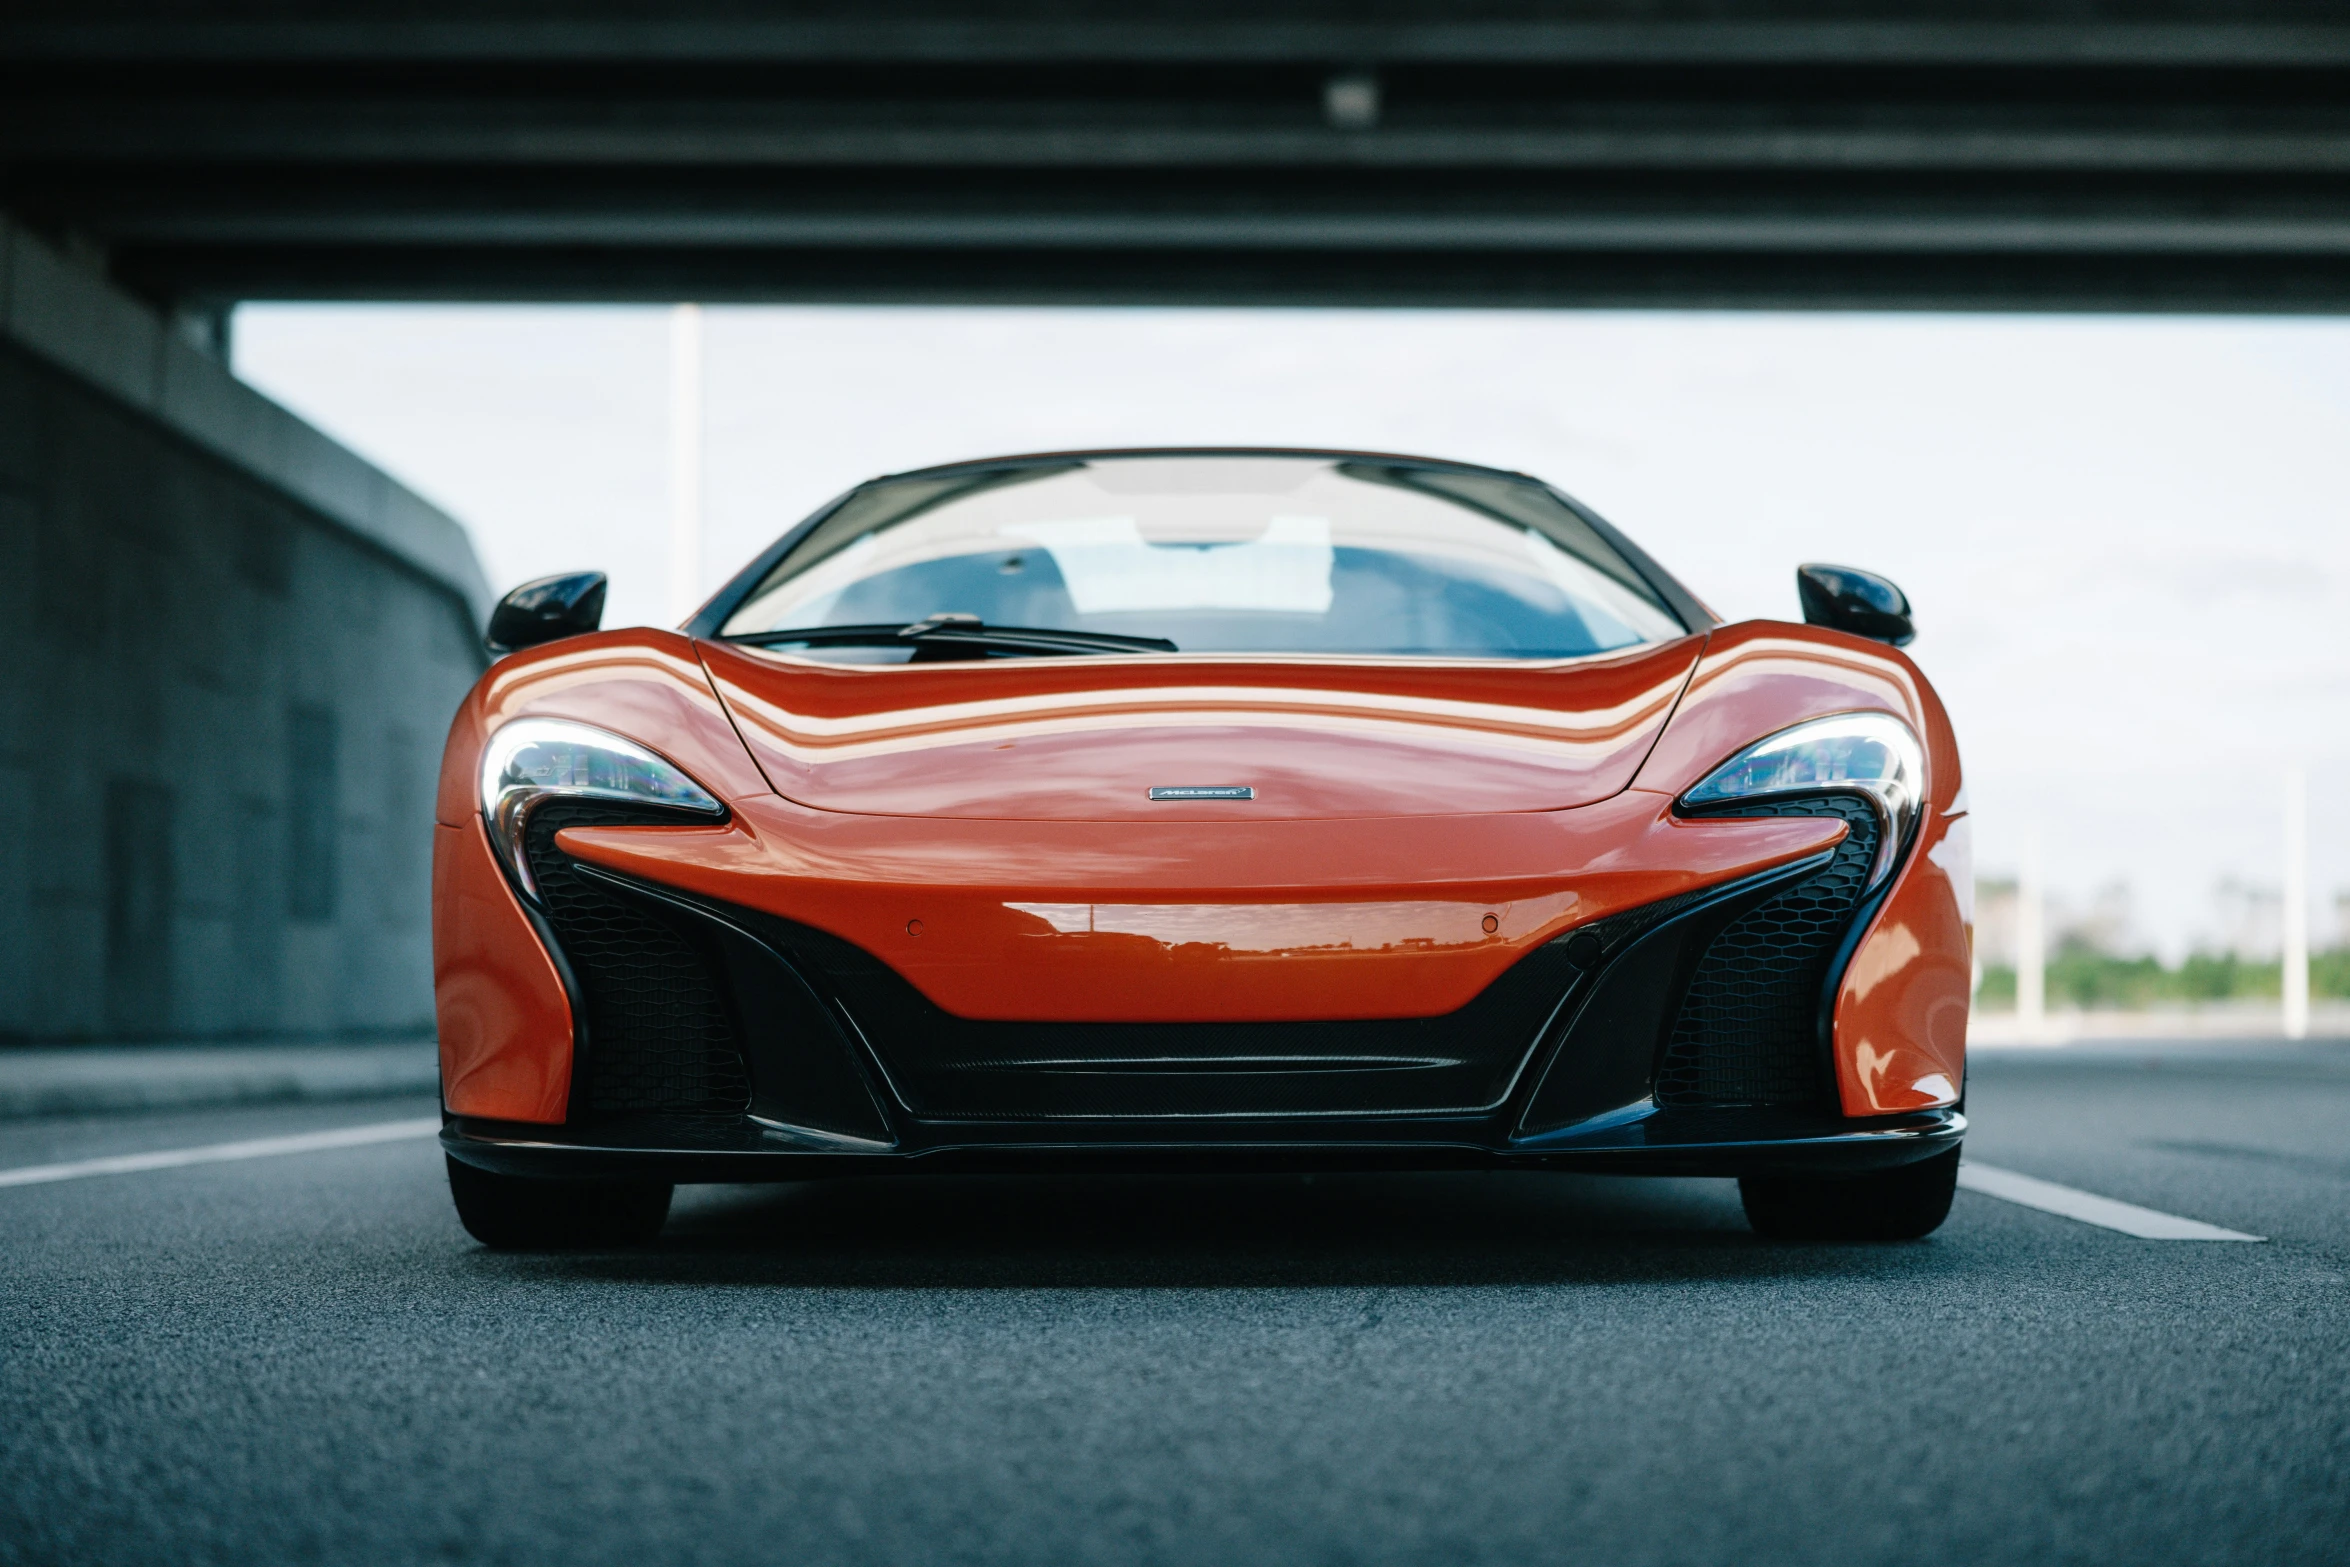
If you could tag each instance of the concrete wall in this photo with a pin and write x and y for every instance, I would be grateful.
(228, 655)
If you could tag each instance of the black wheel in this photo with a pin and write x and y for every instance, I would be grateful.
(517, 1213)
(1900, 1204)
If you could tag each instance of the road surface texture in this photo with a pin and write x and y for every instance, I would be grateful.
(302, 1358)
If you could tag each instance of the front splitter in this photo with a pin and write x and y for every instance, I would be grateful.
(717, 1150)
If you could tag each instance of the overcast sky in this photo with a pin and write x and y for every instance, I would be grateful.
(2128, 540)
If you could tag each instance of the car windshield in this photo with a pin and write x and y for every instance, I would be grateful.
(1217, 554)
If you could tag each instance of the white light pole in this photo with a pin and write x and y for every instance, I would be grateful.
(2031, 974)
(685, 461)
(2296, 910)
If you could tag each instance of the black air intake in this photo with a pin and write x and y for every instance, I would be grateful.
(956, 1069)
(660, 1035)
(1748, 1031)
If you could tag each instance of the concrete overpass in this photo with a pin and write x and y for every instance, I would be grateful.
(229, 647)
(2125, 154)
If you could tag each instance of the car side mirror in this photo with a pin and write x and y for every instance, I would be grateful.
(1844, 598)
(551, 607)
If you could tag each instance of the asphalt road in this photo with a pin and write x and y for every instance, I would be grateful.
(304, 1359)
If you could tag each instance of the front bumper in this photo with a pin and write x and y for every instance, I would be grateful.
(1688, 1037)
(1660, 1142)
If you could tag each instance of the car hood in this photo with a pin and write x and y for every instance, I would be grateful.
(1087, 739)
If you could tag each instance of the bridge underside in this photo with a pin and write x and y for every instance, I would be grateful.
(2159, 156)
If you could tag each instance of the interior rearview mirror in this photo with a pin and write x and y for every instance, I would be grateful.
(1844, 598)
(551, 607)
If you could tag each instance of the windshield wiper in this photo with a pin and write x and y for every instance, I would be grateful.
(938, 638)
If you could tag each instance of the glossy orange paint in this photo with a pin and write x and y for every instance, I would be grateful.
(642, 683)
(1901, 1014)
(505, 1022)
(1198, 922)
(1085, 739)
(1761, 676)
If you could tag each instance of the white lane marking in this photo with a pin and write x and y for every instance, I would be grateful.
(2090, 1208)
(215, 1153)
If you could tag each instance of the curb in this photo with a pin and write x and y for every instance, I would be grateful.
(119, 1079)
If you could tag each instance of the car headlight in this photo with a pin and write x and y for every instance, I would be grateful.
(534, 759)
(1873, 753)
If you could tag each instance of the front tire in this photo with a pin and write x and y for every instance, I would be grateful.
(517, 1213)
(1900, 1204)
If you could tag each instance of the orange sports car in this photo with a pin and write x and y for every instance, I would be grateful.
(1201, 810)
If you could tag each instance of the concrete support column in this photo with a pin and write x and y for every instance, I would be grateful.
(685, 461)
(2295, 954)
(2031, 946)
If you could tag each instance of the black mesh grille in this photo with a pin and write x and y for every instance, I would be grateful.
(660, 1034)
(1748, 1029)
